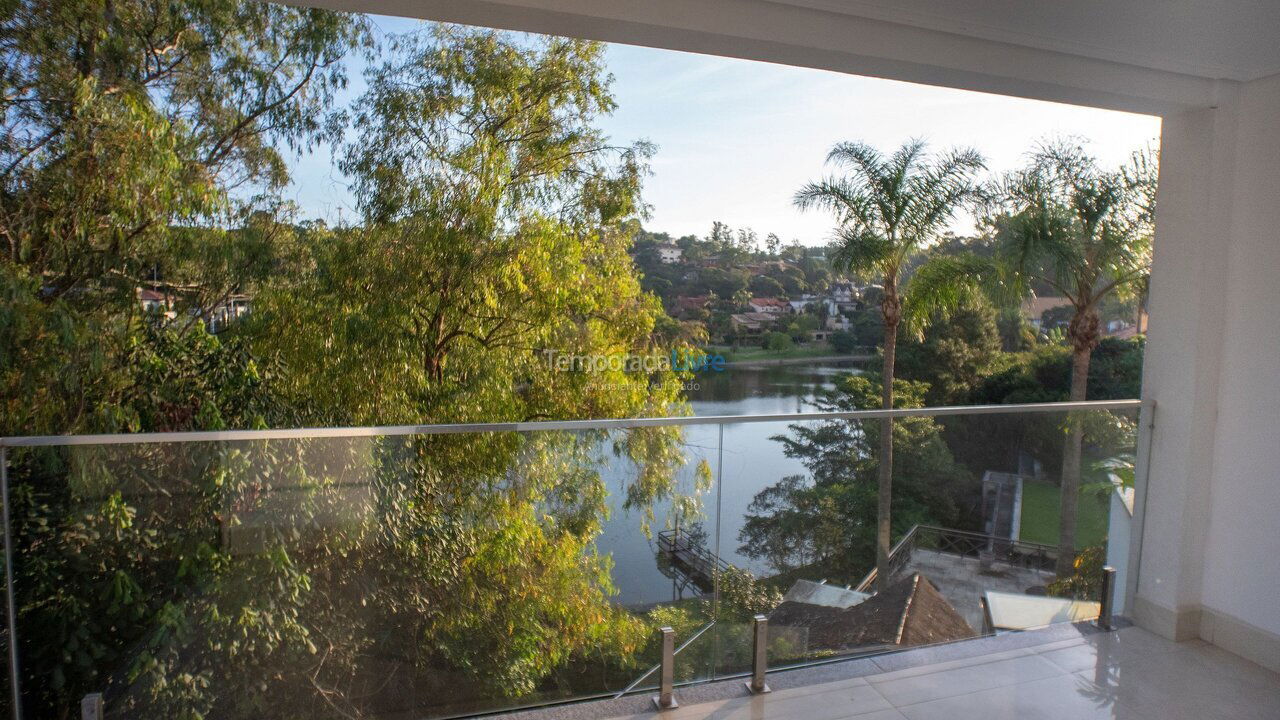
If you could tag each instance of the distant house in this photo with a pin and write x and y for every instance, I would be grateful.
(226, 312)
(1033, 309)
(843, 292)
(686, 305)
(802, 303)
(156, 303)
(752, 323)
(692, 302)
(909, 612)
(770, 306)
(836, 321)
(670, 253)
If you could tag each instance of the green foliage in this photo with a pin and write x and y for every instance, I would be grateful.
(1083, 231)
(1016, 334)
(765, 286)
(1044, 375)
(495, 228)
(743, 596)
(778, 342)
(123, 119)
(680, 618)
(1085, 581)
(290, 579)
(843, 341)
(889, 208)
(954, 355)
(826, 520)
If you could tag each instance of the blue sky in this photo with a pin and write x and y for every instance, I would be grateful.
(736, 138)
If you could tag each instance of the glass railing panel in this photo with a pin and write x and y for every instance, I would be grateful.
(977, 510)
(454, 573)
(380, 576)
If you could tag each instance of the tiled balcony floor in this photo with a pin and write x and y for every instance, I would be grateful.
(1130, 674)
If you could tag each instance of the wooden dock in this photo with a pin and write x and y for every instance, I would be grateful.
(690, 560)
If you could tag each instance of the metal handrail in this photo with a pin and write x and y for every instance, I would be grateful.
(679, 649)
(553, 425)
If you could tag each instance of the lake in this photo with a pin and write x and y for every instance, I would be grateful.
(752, 462)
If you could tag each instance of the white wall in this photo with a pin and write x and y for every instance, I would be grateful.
(1210, 558)
(1242, 557)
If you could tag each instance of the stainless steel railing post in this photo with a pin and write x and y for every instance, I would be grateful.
(666, 698)
(1106, 604)
(759, 655)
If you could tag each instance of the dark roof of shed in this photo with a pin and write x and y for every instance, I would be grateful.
(909, 612)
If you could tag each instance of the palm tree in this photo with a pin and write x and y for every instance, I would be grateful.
(1086, 233)
(888, 210)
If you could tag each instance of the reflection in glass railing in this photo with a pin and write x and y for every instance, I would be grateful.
(444, 571)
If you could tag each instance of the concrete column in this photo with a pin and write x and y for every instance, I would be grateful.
(1209, 556)
(1182, 365)
(1240, 592)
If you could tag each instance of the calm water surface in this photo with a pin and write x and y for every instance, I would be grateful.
(753, 460)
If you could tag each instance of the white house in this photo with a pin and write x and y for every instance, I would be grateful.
(769, 306)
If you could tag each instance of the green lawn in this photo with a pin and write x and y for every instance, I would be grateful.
(757, 353)
(1040, 518)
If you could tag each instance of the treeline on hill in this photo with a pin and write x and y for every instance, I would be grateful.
(143, 148)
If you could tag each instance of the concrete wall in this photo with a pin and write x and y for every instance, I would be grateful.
(830, 39)
(1242, 557)
(1210, 559)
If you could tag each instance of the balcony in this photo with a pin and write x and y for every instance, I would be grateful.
(1197, 569)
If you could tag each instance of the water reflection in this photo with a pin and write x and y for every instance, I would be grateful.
(752, 461)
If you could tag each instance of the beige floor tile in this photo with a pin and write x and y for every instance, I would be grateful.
(1062, 697)
(952, 664)
(963, 680)
(835, 701)
(1128, 675)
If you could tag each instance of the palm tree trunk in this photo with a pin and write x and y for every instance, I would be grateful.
(884, 492)
(1071, 452)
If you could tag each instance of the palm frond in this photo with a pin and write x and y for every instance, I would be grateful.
(946, 283)
(847, 200)
(870, 170)
(859, 248)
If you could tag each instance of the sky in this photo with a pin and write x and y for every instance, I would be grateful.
(737, 138)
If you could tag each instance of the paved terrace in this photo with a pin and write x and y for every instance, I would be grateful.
(961, 580)
(1068, 672)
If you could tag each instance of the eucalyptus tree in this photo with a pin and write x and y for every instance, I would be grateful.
(890, 209)
(123, 118)
(1085, 232)
(121, 122)
(496, 223)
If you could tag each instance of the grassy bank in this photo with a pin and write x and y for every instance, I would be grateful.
(1041, 520)
(754, 354)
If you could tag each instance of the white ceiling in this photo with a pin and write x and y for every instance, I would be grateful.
(1230, 39)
